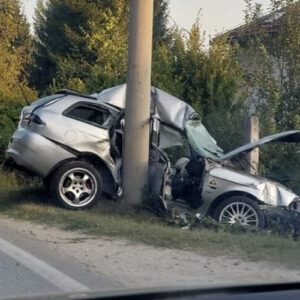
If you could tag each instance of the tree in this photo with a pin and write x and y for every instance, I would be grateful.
(83, 44)
(274, 77)
(66, 41)
(178, 64)
(275, 74)
(211, 80)
(15, 45)
(225, 98)
(166, 65)
(160, 27)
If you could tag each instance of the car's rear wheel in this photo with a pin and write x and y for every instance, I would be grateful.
(239, 210)
(76, 185)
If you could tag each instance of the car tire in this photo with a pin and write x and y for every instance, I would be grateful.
(239, 209)
(76, 185)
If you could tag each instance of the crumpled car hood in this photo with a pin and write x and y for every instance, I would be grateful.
(290, 136)
(269, 192)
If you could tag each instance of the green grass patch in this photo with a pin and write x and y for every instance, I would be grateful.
(29, 201)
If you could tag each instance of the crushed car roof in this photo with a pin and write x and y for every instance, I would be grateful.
(176, 113)
(171, 110)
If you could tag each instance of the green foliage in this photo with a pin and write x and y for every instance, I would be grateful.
(30, 202)
(225, 104)
(83, 44)
(15, 60)
(274, 76)
(211, 80)
(160, 27)
(72, 37)
(15, 44)
(275, 71)
(9, 117)
(164, 70)
(279, 222)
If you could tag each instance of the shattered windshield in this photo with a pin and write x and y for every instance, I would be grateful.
(201, 142)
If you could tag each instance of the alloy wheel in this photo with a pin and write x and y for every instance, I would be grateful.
(78, 187)
(239, 213)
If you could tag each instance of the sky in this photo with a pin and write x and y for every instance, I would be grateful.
(216, 15)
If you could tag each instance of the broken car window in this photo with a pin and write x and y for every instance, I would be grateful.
(201, 142)
(92, 115)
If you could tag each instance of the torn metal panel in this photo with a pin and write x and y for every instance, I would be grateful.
(115, 96)
(275, 194)
(159, 179)
(169, 137)
(171, 111)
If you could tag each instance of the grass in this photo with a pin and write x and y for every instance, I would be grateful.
(29, 201)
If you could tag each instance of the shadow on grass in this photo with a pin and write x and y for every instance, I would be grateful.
(38, 195)
(107, 217)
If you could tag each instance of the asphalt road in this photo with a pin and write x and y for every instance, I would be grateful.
(28, 267)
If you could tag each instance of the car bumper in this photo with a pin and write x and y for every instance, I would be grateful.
(35, 153)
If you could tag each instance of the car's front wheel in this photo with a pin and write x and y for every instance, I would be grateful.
(76, 185)
(239, 210)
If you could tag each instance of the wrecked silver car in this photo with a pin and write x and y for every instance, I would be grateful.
(74, 142)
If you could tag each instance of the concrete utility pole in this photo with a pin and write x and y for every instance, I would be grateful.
(252, 134)
(137, 115)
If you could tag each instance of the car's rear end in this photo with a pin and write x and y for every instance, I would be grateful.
(29, 150)
(66, 139)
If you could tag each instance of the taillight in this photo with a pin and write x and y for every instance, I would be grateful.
(32, 118)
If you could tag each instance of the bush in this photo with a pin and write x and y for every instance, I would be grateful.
(9, 117)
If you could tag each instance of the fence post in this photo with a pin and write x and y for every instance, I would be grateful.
(252, 135)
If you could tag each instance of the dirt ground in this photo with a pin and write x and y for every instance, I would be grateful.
(137, 265)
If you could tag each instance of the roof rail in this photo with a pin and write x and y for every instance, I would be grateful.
(74, 93)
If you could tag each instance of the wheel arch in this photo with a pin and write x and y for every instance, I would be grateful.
(225, 196)
(109, 184)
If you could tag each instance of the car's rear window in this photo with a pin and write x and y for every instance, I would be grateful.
(90, 114)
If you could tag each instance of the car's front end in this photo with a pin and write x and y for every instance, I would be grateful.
(230, 194)
(222, 180)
